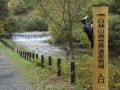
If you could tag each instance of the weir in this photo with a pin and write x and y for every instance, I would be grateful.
(36, 42)
(28, 36)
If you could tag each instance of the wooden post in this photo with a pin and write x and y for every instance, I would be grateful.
(29, 55)
(42, 61)
(50, 61)
(72, 72)
(59, 67)
(25, 54)
(37, 56)
(100, 50)
(21, 53)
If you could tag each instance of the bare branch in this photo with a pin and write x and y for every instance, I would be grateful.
(47, 13)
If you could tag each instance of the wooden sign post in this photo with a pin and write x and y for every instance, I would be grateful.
(100, 50)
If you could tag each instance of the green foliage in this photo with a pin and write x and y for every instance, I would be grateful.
(22, 17)
(63, 16)
(2, 31)
(84, 42)
(3, 15)
(33, 23)
(114, 33)
(10, 42)
(25, 23)
(27, 15)
(58, 34)
(3, 9)
(114, 6)
(44, 78)
(11, 24)
(20, 7)
(114, 22)
(83, 71)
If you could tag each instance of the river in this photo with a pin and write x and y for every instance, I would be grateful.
(35, 42)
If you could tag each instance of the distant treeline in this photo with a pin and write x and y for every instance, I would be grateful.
(61, 17)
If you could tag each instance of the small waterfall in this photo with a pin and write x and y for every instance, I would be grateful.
(29, 36)
(34, 41)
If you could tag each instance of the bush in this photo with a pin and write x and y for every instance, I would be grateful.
(114, 33)
(25, 23)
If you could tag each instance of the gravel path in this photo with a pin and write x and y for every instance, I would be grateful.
(9, 78)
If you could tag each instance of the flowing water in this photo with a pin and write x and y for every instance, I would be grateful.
(35, 42)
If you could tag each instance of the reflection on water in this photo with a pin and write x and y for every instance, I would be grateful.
(34, 41)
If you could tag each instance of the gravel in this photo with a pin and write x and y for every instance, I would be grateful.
(9, 78)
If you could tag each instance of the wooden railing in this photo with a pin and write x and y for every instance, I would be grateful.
(31, 56)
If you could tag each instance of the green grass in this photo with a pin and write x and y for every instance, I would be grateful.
(27, 69)
(41, 79)
(46, 79)
(10, 42)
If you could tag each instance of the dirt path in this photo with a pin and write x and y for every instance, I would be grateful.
(9, 78)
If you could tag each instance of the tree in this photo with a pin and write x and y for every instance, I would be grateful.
(22, 18)
(3, 9)
(62, 15)
(3, 15)
(25, 23)
(20, 7)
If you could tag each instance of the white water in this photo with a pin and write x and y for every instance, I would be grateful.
(34, 41)
(31, 36)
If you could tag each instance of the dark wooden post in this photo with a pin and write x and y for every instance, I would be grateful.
(50, 61)
(25, 54)
(28, 55)
(37, 56)
(21, 53)
(59, 67)
(42, 61)
(72, 72)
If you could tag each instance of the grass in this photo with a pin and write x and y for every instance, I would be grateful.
(46, 79)
(28, 70)
(39, 78)
(10, 42)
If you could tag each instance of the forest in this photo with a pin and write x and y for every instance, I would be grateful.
(39, 15)
(62, 19)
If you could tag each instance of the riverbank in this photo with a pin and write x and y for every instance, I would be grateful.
(40, 79)
(45, 79)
